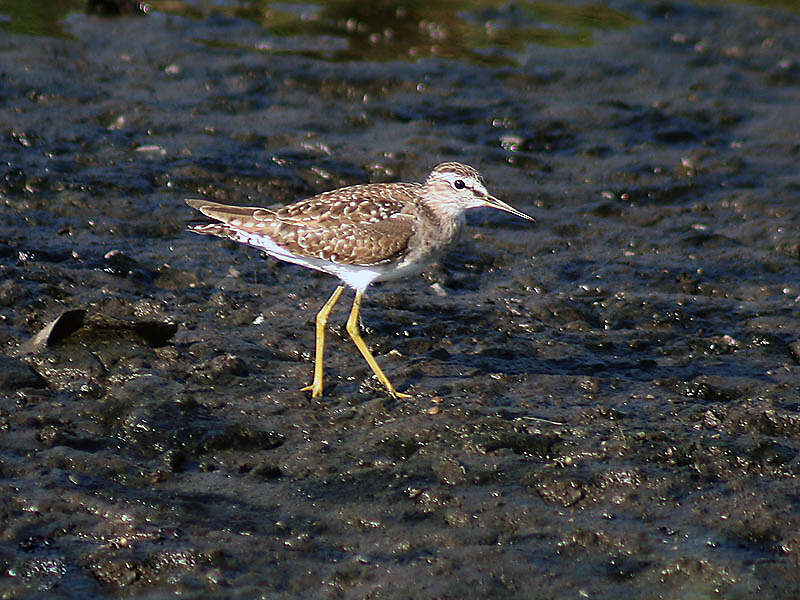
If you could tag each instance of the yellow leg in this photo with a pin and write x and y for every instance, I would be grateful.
(352, 329)
(322, 323)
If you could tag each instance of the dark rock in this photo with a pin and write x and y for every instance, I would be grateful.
(15, 374)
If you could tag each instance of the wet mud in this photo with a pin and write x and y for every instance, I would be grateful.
(605, 402)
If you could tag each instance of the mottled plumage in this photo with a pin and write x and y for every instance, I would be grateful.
(361, 234)
(359, 225)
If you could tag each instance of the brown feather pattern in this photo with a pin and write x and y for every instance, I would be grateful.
(360, 225)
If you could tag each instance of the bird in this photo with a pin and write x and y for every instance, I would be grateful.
(361, 234)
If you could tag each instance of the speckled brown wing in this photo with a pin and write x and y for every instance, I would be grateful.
(359, 225)
(348, 243)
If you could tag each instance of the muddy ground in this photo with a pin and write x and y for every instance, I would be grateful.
(605, 402)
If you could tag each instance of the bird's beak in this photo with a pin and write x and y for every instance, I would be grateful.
(493, 202)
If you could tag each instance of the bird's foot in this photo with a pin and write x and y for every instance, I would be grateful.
(398, 395)
(315, 388)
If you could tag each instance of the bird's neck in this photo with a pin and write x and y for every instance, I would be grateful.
(446, 217)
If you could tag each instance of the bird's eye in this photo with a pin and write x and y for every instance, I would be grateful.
(459, 184)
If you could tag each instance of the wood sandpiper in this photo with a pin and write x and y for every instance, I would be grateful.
(360, 234)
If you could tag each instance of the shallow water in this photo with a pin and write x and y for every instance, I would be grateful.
(606, 401)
